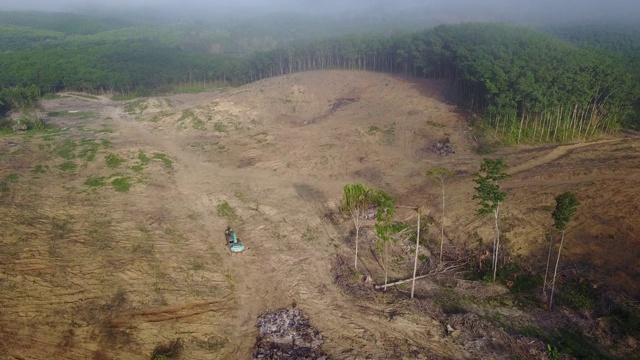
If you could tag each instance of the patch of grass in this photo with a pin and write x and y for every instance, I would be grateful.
(626, 319)
(144, 159)
(52, 96)
(575, 343)
(82, 115)
(387, 136)
(68, 166)
(486, 149)
(121, 184)
(105, 143)
(13, 177)
(193, 216)
(136, 107)
(4, 187)
(226, 211)
(373, 130)
(113, 161)
(66, 149)
(86, 96)
(577, 295)
(220, 127)
(39, 169)
(95, 181)
(434, 124)
(123, 97)
(309, 234)
(197, 123)
(88, 150)
(168, 163)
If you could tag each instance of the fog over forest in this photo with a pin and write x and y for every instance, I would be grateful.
(537, 11)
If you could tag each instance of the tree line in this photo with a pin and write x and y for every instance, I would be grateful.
(527, 86)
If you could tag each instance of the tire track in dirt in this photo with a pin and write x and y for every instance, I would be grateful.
(555, 154)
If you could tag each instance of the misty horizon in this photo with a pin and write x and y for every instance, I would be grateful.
(443, 11)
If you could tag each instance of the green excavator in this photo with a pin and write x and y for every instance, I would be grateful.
(232, 241)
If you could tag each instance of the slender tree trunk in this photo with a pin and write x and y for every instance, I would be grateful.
(546, 269)
(442, 223)
(521, 124)
(555, 271)
(357, 235)
(497, 244)
(415, 261)
(386, 272)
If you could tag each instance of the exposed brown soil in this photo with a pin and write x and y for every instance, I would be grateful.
(92, 273)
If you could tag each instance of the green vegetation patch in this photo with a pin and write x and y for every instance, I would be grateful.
(189, 115)
(82, 115)
(88, 150)
(578, 295)
(68, 166)
(386, 135)
(85, 96)
(95, 181)
(121, 184)
(113, 161)
(226, 211)
(136, 107)
(39, 169)
(144, 159)
(66, 149)
(168, 163)
(220, 127)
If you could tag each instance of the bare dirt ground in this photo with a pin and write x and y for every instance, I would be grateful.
(89, 272)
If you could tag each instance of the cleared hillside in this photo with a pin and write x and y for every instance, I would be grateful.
(113, 242)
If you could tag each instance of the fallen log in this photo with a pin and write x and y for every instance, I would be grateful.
(399, 282)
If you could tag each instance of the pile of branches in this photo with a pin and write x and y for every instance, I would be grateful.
(443, 147)
(287, 334)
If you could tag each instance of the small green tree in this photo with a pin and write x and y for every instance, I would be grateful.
(489, 197)
(566, 207)
(356, 200)
(441, 175)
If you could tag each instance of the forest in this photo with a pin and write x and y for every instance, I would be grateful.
(525, 84)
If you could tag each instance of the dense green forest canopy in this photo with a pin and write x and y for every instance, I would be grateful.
(569, 82)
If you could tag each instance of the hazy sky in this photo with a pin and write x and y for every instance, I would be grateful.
(517, 9)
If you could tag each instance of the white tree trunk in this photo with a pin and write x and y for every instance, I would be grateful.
(497, 244)
(555, 271)
(384, 261)
(356, 224)
(357, 235)
(415, 262)
(546, 269)
(442, 223)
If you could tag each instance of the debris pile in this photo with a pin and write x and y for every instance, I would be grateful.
(443, 147)
(287, 334)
